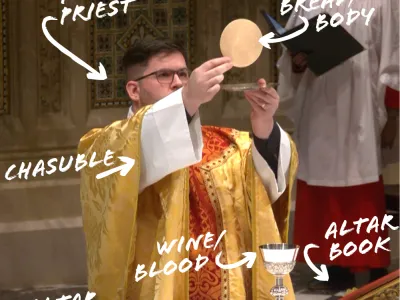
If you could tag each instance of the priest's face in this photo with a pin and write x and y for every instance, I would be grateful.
(164, 74)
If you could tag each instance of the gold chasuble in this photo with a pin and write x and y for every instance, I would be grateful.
(222, 192)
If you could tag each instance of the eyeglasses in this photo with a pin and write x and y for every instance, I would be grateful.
(166, 76)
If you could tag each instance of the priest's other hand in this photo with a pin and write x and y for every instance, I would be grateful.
(204, 83)
(264, 103)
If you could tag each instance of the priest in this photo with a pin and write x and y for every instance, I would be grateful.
(188, 180)
(339, 118)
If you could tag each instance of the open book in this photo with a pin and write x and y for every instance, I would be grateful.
(325, 49)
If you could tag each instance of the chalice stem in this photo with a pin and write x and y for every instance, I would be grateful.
(280, 288)
(279, 283)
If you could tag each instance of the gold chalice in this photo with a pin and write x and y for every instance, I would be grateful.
(279, 260)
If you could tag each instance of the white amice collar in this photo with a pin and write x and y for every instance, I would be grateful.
(130, 112)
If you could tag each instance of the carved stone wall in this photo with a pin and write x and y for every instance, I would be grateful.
(4, 98)
(111, 37)
(49, 75)
(41, 240)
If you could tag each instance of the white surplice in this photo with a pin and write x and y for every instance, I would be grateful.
(169, 143)
(339, 116)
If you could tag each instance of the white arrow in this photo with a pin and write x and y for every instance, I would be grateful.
(93, 74)
(125, 168)
(249, 258)
(323, 273)
(90, 296)
(268, 38)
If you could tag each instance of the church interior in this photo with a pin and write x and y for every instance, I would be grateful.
(47, 104)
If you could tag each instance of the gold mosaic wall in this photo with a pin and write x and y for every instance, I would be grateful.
(110, 37)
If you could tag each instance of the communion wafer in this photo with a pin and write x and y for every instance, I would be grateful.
(240, 41)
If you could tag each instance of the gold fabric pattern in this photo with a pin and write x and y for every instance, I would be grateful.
(389, 291)
(204, 283)
(221, 247)
(210, 282)
(122, 228)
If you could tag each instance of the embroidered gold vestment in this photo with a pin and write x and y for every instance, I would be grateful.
(122, 227)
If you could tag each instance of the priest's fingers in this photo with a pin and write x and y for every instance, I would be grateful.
(257, 100)
(254, 104)
(265, 102)
(218, 71)
(271, 92)
(265, 95)
(213, 63)
(214, 90)
(196, 91)
(215, 80)
(262, 83)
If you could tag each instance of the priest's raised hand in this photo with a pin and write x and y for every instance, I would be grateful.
(204, 83)
(264, 103)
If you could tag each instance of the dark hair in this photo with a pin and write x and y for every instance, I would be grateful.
(143, 50)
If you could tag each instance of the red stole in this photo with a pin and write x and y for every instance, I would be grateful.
(205, 283)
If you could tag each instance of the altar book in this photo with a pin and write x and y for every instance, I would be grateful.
(325, 49)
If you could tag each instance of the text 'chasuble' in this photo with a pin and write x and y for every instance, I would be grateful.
(122, 227)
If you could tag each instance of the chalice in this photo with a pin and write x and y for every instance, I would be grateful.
(279, 260)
